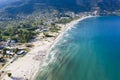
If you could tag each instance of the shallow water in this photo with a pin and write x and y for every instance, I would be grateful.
(89, 51)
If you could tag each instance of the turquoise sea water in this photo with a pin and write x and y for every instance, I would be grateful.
(88, 51)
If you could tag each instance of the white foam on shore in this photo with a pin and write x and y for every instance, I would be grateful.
(70, 26)
(52, 53)
(37, 59)
(67, 27)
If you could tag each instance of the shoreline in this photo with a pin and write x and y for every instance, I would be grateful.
(28, 66)
(64, 28)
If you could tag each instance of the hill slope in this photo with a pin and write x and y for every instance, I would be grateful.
(29, 6)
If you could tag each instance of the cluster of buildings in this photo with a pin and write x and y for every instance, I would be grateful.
(8, 45)
(104, 12)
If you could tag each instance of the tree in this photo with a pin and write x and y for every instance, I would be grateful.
(4, 51)
(16, 50)
(0, 37)
(25, 35)
(9, 74)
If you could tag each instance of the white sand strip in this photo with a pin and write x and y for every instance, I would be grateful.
(28, 66)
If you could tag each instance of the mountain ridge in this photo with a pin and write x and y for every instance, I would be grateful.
(29, 6)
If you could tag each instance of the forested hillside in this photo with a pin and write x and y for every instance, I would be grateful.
(30, 6)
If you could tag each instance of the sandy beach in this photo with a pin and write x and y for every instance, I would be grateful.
(25, 68)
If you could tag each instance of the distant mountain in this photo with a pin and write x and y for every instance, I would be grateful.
(81, 5)
(30, 6)
(85, 4)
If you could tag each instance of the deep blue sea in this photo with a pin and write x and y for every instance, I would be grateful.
(88, 51)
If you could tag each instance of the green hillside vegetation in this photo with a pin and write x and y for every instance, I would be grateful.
(25, 31)
(22, 32)
(26, 7)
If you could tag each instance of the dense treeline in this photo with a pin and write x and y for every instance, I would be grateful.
(65, 20)
(21, 33)
(24, 31)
